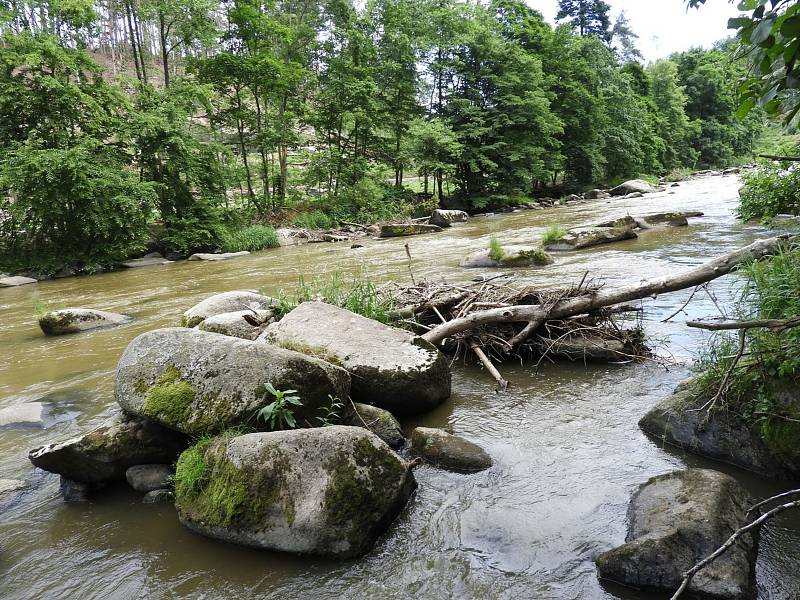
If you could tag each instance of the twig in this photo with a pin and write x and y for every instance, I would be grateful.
(411, 272)
(502, 383)
(723, 388)
(758, 506)
(685, 304)
(689, 575)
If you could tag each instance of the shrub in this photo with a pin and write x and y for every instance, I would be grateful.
(315, 219)
(250, 238)
(770, 190)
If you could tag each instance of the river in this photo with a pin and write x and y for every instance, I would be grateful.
(567, 449)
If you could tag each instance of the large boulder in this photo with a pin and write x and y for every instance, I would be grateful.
(74, 320)
(445, 218)
(245, 324)
(379, 421)
(631, 187)
(513, 257)
(771, 448)
(199, 383)
(226, 302)
(670, 219)
(329, 491)
(105, 453)
(586, 237)
(391, 368)
(676, 520)
(448, 451)
(406, 229)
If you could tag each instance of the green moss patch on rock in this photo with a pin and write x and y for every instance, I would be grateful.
(171, 397)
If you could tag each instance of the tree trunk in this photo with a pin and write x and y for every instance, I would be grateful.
(162, 34)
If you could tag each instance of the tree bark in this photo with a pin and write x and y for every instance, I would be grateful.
(590, 302)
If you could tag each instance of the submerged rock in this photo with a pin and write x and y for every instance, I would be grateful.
(226, 302)
(448, 451)
(405, 229)
(146, 478)
(75, 320)
(771, 449)
(586, 237)
(445, 218)
(238, 324)
(329, 491)
(513, 256)
(631, 187)
(676, 520)
(158, 497)
(146, 261)
(198, 382)
(16, 280)
(217, 256)
(379, 421)
(74, 491)
(11, 489)
(105, 453)
(390, 368)
(30, 414)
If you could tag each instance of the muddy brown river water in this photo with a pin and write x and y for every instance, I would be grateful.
(567, 449)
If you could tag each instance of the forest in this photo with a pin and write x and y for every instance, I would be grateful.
(203, 123)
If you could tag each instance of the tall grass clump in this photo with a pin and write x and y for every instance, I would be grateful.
(315, 219)
(354, 292)
(496, 252)
(250, 238)
(554, 233)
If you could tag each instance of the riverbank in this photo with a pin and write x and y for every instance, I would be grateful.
(568, 452)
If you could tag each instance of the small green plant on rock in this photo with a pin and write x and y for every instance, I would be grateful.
(554, 233)
(279, 414)
(331, 413)
(496, 252)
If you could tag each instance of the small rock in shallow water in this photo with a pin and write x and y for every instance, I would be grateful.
(8, 486)
(146, 478)
(216, 257)
(146, 261)
(15, 281)
(448, 451)
(75, 320)
(158, 496)
(379, 421)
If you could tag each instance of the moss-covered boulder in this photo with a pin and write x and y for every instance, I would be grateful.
(391, 368)
(245, 324)
(105, 453)
(329, 491)
(226, 302)
(406, 229)
(75, 320)
(769, 446)
(448, 451)
(675, 521)
(587, 237)
(379, 421)
(511, 257)
(199, 383)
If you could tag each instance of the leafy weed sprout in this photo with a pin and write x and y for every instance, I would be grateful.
(280, 413)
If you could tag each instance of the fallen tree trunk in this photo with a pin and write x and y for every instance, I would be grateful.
(597, 299)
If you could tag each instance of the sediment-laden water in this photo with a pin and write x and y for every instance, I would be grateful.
(567, 449)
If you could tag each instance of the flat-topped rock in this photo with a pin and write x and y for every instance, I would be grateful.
(26, 414)
(16, 280)
(75, 320)
(390, 368)
(245, 324)
(445, 218)
(217, 256)
(631, 187)
(513, 257)
(105, 453)
(202, 383)
(226, 302)
(329, 491)
(675, 521)
(669, 219)
(405, 229)
(448, 451)
(145, 261)
(587, 237)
